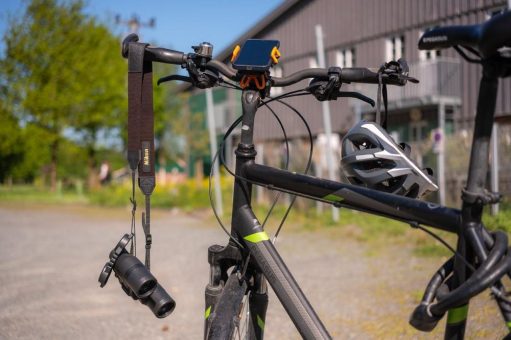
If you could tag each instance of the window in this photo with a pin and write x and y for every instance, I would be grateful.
(430, 54)
(276, 71)
(395, 48)
(345, 58)
(418, 130)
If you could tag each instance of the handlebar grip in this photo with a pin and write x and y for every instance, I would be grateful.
(359, 75)
(164, 55)
(158, 54)
(300, 75)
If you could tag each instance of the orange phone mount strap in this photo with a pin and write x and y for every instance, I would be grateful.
(258, 80)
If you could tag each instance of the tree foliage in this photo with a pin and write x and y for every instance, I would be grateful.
(63, 70)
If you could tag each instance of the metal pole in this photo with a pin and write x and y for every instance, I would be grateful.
(213, 148)
(326, 116)
(441, 152)
(495, 165)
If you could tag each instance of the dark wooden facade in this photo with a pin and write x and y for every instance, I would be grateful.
(364, 26)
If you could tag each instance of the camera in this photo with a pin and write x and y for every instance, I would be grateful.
(136, 280)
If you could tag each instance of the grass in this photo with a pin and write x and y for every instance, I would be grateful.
(501, 221)
(31, 194)
(192, 196)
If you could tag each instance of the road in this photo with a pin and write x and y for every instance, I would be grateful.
(51, 258)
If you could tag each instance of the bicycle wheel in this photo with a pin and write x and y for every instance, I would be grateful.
(231, 318)
(243, 329)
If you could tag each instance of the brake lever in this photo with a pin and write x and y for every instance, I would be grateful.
(411, 79)
(401, 78)
(398, 70)
(174, 77)
(356, 95)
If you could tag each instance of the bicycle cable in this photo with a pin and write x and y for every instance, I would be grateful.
(447, 245)
(309, 162)
(233, 86)
(307, 167)
(211, 202)
(276, 198)
(220, 154)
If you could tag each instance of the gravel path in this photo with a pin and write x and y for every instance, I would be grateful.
(50, 261)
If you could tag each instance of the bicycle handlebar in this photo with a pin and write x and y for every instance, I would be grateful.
(348, 75)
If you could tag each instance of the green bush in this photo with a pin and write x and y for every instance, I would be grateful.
(501, 221)
(187, 195)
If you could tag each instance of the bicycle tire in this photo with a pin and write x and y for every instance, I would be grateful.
(231, 316)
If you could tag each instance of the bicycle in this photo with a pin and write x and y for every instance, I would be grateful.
(236, 295)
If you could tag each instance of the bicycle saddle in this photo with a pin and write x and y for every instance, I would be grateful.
(487, 37)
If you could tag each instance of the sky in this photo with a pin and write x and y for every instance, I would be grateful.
(179, 24)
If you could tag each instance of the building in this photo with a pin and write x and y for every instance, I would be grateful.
(368, 33)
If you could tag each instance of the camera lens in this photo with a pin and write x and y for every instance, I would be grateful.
(135, 275)
(160, 303)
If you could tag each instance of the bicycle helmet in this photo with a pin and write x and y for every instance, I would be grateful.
(371, 158)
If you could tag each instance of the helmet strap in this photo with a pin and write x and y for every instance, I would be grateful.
(382, 94)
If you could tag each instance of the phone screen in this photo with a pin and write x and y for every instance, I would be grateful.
(255, 54)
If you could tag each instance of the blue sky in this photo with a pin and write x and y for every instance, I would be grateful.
(179, 24)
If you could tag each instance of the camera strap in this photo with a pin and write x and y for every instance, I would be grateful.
(141, 136)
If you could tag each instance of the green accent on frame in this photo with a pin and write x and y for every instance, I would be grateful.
(333, 198)
(457, 315)
(508, 324)
(257, 237)
(208, 311)
(260, 322)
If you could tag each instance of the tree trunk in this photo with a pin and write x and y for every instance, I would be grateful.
(54, 152)
(162, 173)
(199, 168)
(92, 173)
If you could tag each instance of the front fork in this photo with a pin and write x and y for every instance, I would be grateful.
(221, 259)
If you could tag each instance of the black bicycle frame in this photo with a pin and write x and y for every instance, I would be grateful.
(469, 244)
(466, 223)
(246, 228)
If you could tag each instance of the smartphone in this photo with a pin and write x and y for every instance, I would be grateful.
(255, 55)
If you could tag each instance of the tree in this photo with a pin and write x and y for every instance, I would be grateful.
(167, 106)
(64, 70)
(191, 124)
(11, 143)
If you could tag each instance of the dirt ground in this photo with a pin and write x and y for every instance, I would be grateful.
(51, 258)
